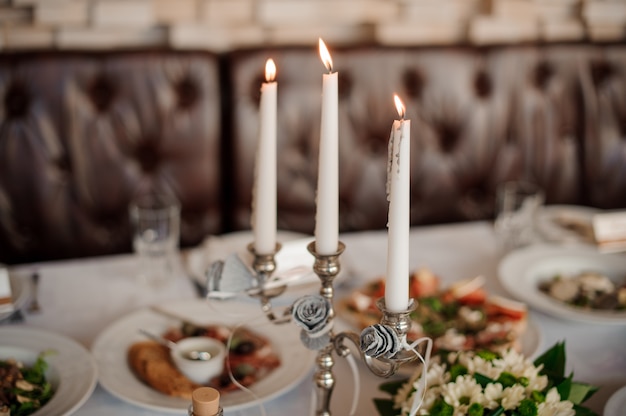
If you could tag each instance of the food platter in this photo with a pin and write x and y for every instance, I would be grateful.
(521, 272)
(111, 346)
(460, 316)
(72, 370)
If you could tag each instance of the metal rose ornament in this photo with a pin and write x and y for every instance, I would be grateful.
(379, 340)
(312, 313)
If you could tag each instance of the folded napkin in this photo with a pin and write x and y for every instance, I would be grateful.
(228, 277)
(609, 229)
(6, 298)
(234, 275)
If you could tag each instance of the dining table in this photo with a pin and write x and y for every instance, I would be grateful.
(79, 298)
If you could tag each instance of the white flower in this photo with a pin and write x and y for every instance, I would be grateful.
(476, 364)
(512, 396)
(462, 392)
(493, 395)
(553, 406)
(429, 400)
(538, 382)
(437, 375)
(452, 340)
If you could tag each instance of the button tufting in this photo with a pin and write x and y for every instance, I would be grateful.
(482, 85)
(543, 73)
(413, 81)
(345, 85)
(16, 101)
(601, 71)
(102, 92)
(449, 134)
(377, 141)
(148, 154)
(187, 93)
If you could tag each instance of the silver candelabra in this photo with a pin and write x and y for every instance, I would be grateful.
(383, 361)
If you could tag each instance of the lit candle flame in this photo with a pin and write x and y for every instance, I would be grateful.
(270, 70)
(325, 55)
(399, 106)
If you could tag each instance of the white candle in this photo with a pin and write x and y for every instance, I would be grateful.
(264, 191)
(399, 220)
(327, 216)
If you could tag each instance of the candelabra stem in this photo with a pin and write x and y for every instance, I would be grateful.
(326, 267)
(324, 380)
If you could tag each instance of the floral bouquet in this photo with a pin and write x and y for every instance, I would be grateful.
(486, 383)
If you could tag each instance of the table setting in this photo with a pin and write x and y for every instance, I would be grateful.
(81, 298)
(272, 297)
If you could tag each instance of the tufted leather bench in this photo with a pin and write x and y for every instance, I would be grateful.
(80, 132)
(554, 115)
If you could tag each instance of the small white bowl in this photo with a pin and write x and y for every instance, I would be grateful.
(200, 372)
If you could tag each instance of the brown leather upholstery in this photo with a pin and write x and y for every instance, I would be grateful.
(604, 91)
(479, 117)
(80, 132)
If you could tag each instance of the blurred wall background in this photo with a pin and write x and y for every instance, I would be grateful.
(223, 25)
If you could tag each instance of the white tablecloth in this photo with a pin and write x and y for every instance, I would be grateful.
(81, 297)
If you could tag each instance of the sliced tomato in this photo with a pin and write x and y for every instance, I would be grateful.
(506, 308)
(377, 289)
(496, 310)
(423, 283)
(475, 297)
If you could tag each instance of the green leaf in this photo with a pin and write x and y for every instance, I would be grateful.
(475, 409)
(580, 392)
(487, 355)
(583, 411)
(507, 379)
(527, 408)
(392, 387)
(385, 407)
(553, 361)
(37, 373)
(441, 408)
(482, 379)
(564, 388)
(496, 412)
(457, 370)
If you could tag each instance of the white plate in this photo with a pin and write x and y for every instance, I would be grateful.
(111, 346)
(72, 370)
(20, 291)
(616, 404)
(521, 271)
(551, 223)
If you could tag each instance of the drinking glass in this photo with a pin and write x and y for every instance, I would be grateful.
(517, 203)
(155, 220)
